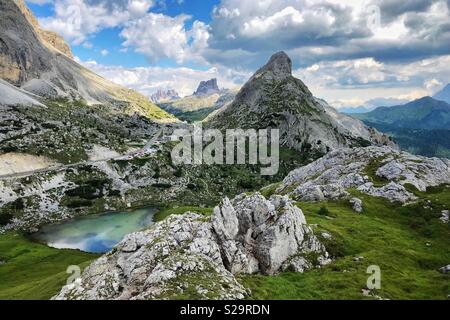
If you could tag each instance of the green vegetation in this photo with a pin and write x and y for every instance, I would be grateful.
(409, 244)
(164, 213)
(33, 271)
(65, 130)
(428, 143)
(195, 108)
(192, 116)
(419, 127)
(371, 172)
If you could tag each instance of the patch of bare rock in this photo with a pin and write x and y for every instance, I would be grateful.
(376, 171)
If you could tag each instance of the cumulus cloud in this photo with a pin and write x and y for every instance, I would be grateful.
(328, 30)
(148, 79)
(75, 20)
(159, 36)
(344, 50)
(365, 79)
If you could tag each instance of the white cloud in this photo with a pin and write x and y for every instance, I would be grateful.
(104, 52)
(148, 79)
(349, 82)
(158, 36)
(75, 20)
(286, 18)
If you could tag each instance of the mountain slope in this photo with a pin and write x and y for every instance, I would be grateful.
(444, 94)
(40, 62)
(262, 240)
(425, 113)
(273, 98)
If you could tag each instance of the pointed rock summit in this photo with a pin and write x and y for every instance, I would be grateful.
(274, 98)
(207, 88)
(280, 65)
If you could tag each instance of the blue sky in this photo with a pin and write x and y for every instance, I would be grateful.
(109, 39)
(346, 51)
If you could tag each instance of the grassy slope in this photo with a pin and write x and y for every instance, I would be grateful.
(409, 244)
(33, 271)
(163, 214)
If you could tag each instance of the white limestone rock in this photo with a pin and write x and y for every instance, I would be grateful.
(263, 234)
(192, 256)
(160, 263)
(445, 216)
(330, 177)
(357, 205)
(445, 269)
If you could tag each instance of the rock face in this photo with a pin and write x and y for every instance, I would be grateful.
(41, 63)
(207, 88)
(50, 38)
(193, 257)
(259, 235)
(198, 107)
(445, 270)
(165, 96)
(377, 171)
(357, 205)
(273, 98)
(445, 216)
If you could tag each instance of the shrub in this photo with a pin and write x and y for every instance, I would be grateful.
(323, 211)
(79, 203)
(5, 219)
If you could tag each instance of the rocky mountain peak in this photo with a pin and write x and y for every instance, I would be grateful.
(207, 88)
(280, 65)
(164, 95)
(273, 98)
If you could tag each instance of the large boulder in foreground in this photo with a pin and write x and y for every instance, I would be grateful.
(259, 235)
(194, 257)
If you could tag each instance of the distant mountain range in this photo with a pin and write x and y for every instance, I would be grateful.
(372, 104)
(425, 113)
(421, 126)
(164, 96)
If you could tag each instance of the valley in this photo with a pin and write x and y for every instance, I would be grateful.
(88, 181)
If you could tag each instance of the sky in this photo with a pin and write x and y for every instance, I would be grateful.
(348, 52)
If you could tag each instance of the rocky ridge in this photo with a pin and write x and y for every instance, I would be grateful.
(376, 171)
(198, 257)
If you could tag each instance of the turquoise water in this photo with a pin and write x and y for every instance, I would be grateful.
(95, 233)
